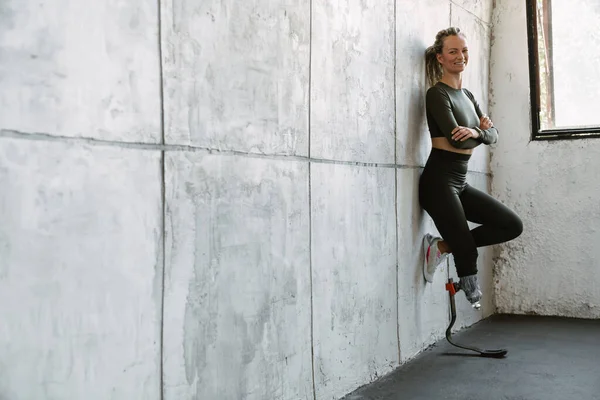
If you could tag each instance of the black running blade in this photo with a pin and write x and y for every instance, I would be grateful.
(494, 353)
(452, 288)
(500, 353)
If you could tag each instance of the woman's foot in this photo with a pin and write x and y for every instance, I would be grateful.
(470, 286)
(433, 256)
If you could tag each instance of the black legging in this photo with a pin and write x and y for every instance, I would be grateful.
(451, 202)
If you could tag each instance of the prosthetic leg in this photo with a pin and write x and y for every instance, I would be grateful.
(453, 288)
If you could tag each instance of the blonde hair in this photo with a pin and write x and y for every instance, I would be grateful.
(433, 69)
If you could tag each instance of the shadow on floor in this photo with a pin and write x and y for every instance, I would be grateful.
(548, 359)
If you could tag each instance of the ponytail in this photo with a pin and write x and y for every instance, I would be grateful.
(433, 69)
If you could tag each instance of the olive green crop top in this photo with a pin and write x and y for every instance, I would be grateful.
(447, 108)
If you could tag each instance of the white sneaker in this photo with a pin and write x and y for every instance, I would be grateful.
(432, 256)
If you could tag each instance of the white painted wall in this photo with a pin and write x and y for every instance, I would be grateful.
(552, 268)
(288, 171)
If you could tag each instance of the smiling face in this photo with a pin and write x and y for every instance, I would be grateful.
(455, 54)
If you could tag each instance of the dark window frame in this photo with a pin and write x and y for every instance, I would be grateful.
(534, 82)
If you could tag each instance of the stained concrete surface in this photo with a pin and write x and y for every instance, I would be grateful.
(80, 271)
(354, 274)
(352, 71)
(237, 74)
(237, 284)
(548, 359)
(81, 70)
(480, 8)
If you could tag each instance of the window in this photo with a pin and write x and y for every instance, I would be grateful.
(564, 60)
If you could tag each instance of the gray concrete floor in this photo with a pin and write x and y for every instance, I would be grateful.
(548, 358)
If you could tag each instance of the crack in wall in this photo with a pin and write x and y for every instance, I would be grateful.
(163, 200)
(488, 23)
(12, 134)
(310, 219)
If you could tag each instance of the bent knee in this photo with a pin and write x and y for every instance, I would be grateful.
(516, 226)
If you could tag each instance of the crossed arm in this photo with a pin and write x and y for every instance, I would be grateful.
(462, 137)
(461, 133)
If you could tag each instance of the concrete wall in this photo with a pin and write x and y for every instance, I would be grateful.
(218, 200)
(552, 268)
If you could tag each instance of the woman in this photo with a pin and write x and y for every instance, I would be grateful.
(457, 125)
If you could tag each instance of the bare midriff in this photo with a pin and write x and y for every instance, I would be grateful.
(443, 144)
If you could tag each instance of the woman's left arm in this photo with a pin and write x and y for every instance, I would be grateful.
(488, 134)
